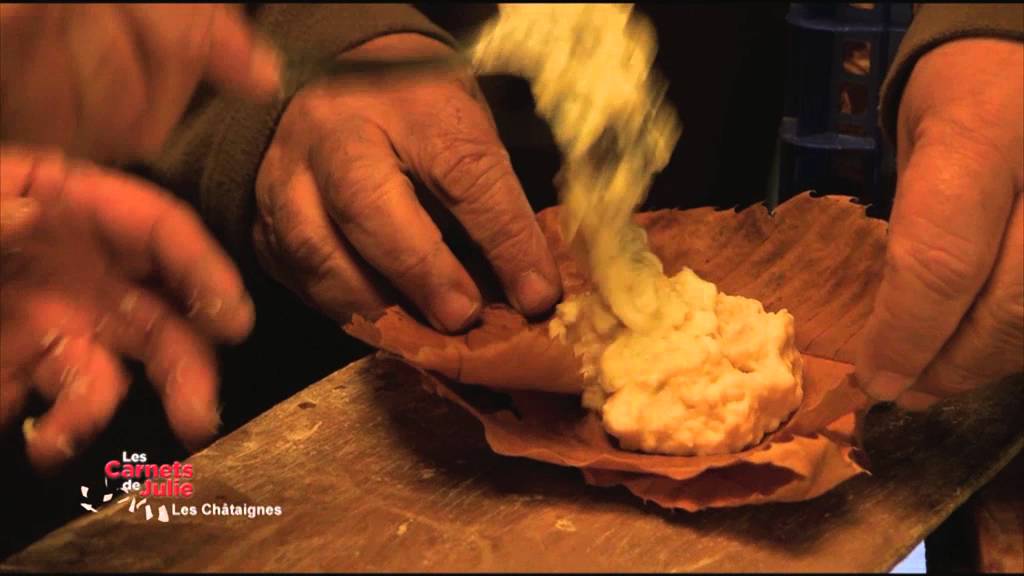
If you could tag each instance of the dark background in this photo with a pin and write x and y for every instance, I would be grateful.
(726, 66)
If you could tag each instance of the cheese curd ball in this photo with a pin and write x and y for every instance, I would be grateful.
(713, 376)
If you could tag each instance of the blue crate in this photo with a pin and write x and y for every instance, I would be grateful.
(829, 139)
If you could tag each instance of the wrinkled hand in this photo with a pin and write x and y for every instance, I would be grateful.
(109, 81)
(949, 314)
(96, 265)
(336, 207)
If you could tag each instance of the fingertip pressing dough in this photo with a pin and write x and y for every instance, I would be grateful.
(671, 364)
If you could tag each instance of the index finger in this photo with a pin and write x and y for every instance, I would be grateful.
(465, 164)
(949, 216)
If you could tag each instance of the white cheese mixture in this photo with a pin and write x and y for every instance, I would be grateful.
(672, 365)
(714, 376)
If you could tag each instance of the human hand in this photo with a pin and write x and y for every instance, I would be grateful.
(949, 313)
(333, 196)
(109, 81)
(105, 265)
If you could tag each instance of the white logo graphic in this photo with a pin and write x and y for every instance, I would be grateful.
(135, 504)
(85, 497)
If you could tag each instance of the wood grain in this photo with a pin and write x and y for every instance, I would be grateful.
(997, 511)
(373, 473)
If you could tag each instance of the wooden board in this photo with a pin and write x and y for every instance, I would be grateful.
(375, 474)
(997, 511)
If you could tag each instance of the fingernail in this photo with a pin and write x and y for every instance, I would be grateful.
(533, 294)
(887, 386)
(453, 310)
(210, 414)
(28, 430)
(237, 317)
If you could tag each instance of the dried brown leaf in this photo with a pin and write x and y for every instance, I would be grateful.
(820, 258)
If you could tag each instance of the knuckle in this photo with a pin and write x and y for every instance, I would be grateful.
(510, 241)
(363, 189)
(268, 255)
(308, 108)
(962, 374)
(308, 251)
(271, 165)
(271, 183)
(339, 303)
(415, 265)
(266, 250)
(943, 270)
(1006, 318)
(975, 144)
(958, 378)
(261, 242)
(348, 142)
(323, 117)
(468, 170)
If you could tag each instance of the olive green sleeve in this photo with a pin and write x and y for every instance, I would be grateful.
(213, 157)
(934, 24)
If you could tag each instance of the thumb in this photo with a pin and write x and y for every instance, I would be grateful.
(951, 210)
